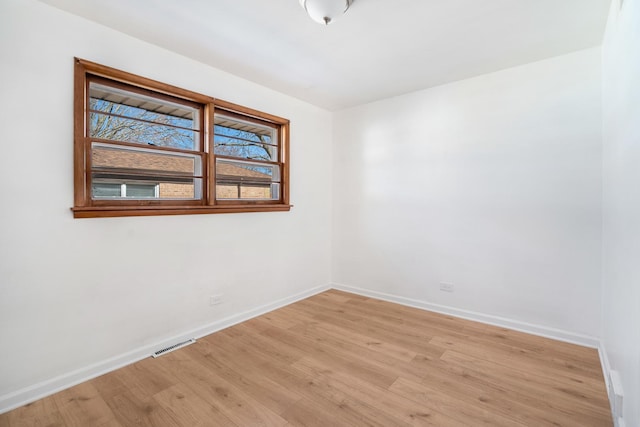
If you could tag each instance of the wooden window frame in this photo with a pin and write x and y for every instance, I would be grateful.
(86, 207)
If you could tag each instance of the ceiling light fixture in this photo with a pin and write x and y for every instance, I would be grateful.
(325, 11)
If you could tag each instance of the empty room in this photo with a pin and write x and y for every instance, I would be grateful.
(320, 213)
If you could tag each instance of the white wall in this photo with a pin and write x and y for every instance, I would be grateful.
(492, 184)
(75, 292)
(621, 296)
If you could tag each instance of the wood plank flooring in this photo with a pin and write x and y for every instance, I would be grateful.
(338, 359)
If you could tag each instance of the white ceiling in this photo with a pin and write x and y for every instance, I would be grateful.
(378, 49)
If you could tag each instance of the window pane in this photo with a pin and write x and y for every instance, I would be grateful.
(108, 186)
(143, 160)
(244, 139)
(145, 172)
(125, 103)
(130, 130)
(140, 191)
(105, 189)
(248, 191)
(246, 171)
(245, 180)
(127, 116)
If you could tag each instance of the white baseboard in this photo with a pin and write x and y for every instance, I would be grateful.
(606, 368)
(517, 325)
(45, 388)
(618, 420)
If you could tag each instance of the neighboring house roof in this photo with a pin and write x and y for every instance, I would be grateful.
(141, 161)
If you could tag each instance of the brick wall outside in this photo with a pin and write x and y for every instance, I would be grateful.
(185, 191)
(176, 191)
(138, 161)
(246, 192)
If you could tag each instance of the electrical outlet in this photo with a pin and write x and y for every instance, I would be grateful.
(446, 287)
(215, 299)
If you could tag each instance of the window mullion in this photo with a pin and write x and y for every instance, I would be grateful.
(210, 180)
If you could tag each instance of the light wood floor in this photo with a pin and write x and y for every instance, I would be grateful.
(338, 359)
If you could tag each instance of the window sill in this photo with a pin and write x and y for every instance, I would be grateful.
(102, 211)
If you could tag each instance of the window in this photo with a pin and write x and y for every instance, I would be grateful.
(148, 148)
